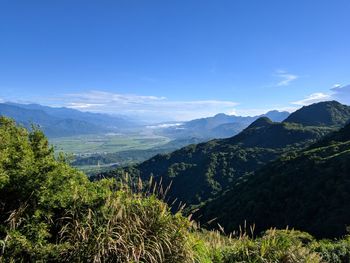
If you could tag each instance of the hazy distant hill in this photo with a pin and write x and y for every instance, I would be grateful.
(202, 171)
(108, 121)
(60, 122)
(307, 190)
(219, 126)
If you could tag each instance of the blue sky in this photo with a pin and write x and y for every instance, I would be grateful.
(175, 60)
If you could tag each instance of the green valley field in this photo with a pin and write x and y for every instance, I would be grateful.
(107, 143)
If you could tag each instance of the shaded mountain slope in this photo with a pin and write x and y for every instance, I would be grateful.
(308, 190)
(265, 133)
(329, 113)
(200, 172)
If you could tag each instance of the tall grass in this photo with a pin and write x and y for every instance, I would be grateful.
(129, 227)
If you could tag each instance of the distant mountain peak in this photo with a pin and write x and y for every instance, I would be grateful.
(261, 122)
(276, 115)
(221, 115)
(327, 113)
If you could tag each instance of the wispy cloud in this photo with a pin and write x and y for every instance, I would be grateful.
(285, 78)
(336, 86)
(313, 98)
(159, 108)
(337, 92)
(81, 105)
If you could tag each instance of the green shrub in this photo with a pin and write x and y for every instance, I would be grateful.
(52, 212)
(333, 251)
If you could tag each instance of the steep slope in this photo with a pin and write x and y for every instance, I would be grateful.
(267, 134)
(329, 113)
(308, 190)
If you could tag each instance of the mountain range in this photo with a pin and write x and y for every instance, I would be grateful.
(61, 122)
(199, 172)
(271, 174)
(218, 126)
(306, 190)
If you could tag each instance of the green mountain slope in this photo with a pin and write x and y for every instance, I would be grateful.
(329, 113)
(308, 190)
(202, 171)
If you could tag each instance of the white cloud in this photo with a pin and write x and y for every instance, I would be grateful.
(159, 108)
(336, 86)
(338, 92)
(101, 97)
(80, 105)
(285, 78)
(313, 98)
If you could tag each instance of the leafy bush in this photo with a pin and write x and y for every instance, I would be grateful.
(52, 212)
(333, 251)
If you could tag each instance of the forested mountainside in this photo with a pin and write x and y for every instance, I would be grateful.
(200, 172)
(329, 113)
(61, 122)
(306, 190)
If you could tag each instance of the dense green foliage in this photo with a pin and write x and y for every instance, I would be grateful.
(307, 190)
(51, 212)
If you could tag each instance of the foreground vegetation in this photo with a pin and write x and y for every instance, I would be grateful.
(50, 212)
